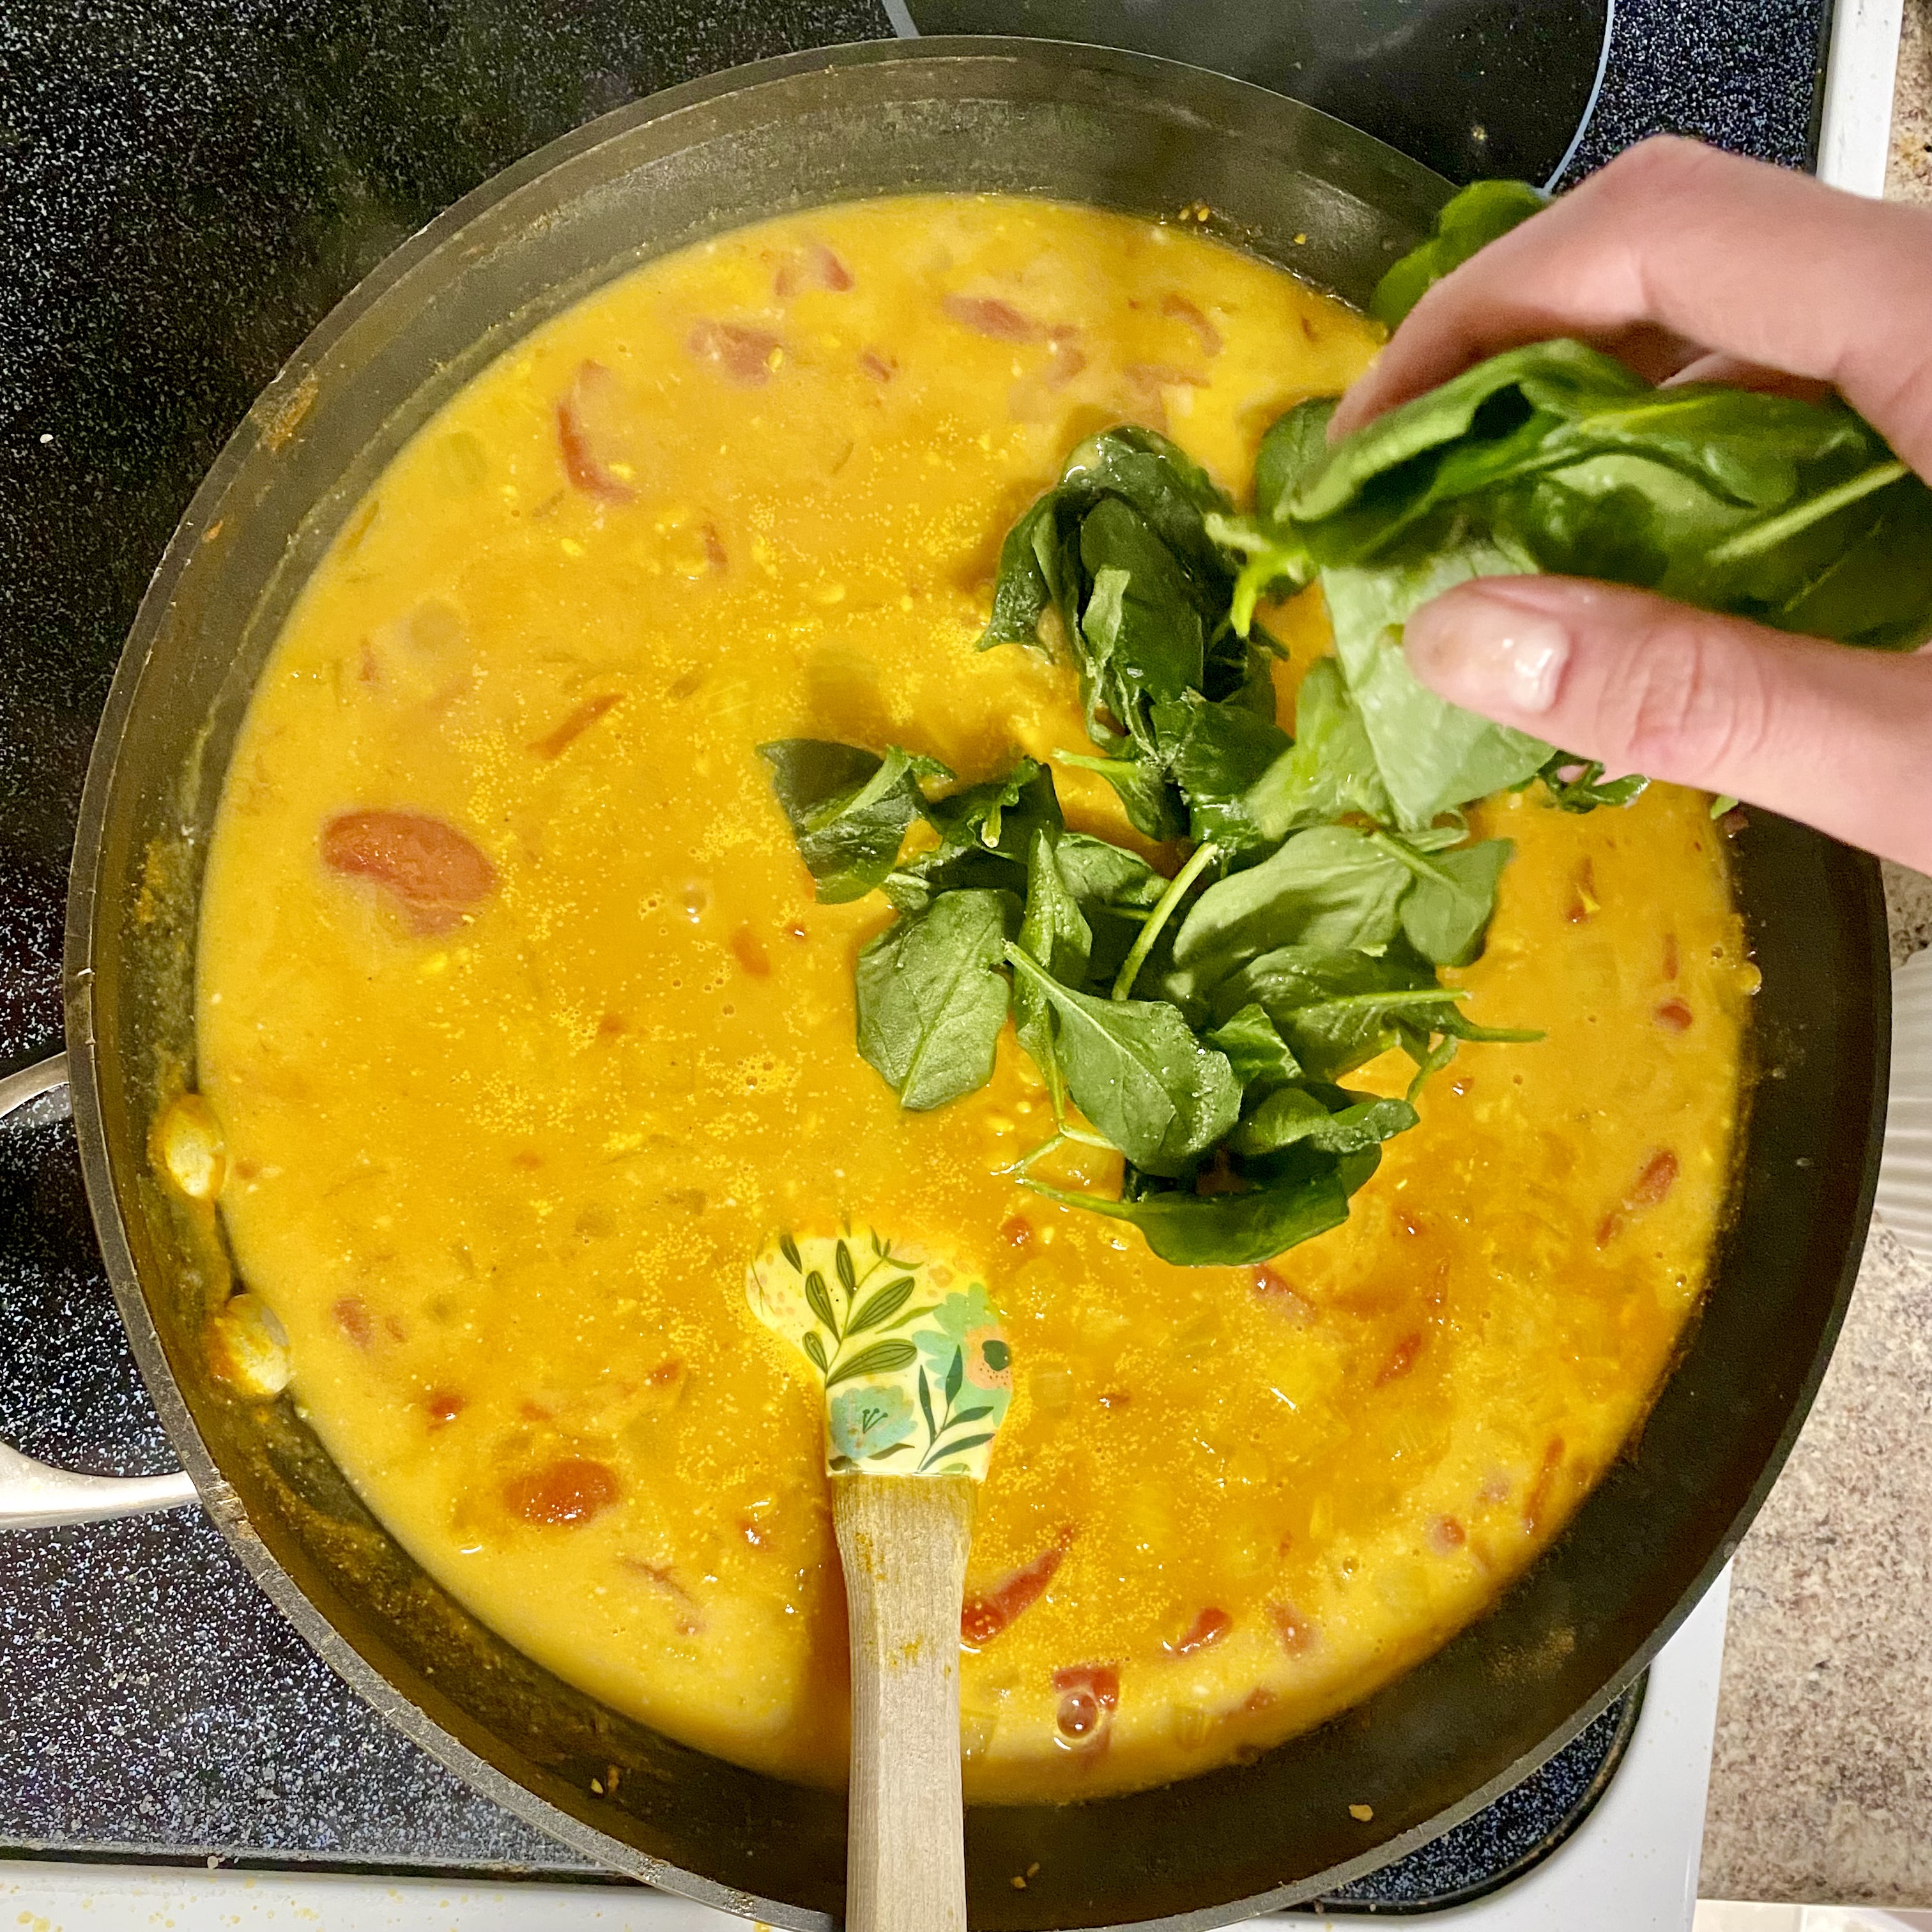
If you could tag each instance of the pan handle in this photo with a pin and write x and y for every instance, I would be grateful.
(32, 1495)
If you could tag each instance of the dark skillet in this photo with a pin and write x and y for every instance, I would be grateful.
(1123, 131)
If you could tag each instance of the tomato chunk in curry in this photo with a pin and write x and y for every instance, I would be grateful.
(523, 1029)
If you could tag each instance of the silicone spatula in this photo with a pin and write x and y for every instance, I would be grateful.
(916, 1376)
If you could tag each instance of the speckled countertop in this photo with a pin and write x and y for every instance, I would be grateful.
(1821, 1788)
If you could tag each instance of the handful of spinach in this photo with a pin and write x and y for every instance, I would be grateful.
(1200, 1024)
(1555, 457)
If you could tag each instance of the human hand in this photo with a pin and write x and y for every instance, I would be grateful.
(1691, 264)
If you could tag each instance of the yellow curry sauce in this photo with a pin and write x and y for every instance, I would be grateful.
(526, 1032)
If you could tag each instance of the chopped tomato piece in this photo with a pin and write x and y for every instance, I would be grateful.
(571, 1489)
(1401, 1360)
(880, 368)
(1446, 1534)
(1017, 1230)
(1065, 358)
(749, 950)
(987, 315)
(1670, 962)
(1537, 1500)
(1675, 1015)
(352, 1317)
(1656, 1180)
(593, 394)
(1296, 1631)
(555, 742)
(444, 1406)
(1149, 376)
(1653, 1185)
(435, 872)
(1583, 900)
(742, 354)
(813, 266)
(1282, 1294)
(1178, 308)
(1206, 1631)
(981, 1618)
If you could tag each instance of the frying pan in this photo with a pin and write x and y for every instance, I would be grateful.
(1119, 130)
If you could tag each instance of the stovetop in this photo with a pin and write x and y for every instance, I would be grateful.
(186, 187)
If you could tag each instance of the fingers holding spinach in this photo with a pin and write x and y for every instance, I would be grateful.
(1675, 250)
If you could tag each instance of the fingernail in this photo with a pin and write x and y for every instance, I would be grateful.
(1486, 654)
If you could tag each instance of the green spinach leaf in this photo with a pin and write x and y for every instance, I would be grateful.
(1792, 513)
(1256, 1050)
(1290, 1197)
(1216, 754)
(1578, 785)
(1329, 771)
(985, 833)
(1430, 756)
(1105, 877)
(1115, 889)
(1293, 449)
(1158, 479)
(1137, 1072)
(1142, 632)
(1055, 933)
(1330, 1119)
(1470, 220)
(850, 809)
(1337, 1009)
(1153, 807)
(1330, 888)
(1446, 913)
(932, 998)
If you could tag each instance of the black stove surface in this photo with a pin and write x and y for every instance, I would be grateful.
(186, 187)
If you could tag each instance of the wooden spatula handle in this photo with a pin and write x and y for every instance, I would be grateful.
(903, 1540)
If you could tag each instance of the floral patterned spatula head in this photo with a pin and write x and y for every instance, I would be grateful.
(917, 1377)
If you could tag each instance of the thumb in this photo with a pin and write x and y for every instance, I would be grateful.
(1838, 737)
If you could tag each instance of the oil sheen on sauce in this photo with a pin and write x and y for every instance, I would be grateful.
(523, 1029)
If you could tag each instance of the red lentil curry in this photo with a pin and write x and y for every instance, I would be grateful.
(524, 1029)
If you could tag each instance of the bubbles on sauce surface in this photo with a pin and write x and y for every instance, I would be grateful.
(1089, 1695)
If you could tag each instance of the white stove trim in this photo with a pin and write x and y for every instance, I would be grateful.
(1855, 140)
(1631, 1867)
